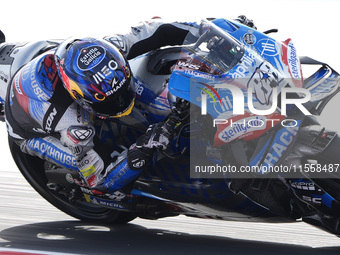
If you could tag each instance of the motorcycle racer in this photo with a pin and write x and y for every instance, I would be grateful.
(53, 101)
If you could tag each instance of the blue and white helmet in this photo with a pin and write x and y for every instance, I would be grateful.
(97, 76)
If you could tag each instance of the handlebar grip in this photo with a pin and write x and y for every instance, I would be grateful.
(171, 123)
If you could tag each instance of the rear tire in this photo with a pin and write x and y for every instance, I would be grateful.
(32, 168)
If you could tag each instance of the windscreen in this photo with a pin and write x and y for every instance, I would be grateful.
(215, 51)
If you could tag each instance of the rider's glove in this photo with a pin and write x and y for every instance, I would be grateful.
(245, 21)
(158, 136)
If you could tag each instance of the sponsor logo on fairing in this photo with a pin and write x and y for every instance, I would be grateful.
(248, 59)
(200, 75)
(249, 38)
(291, 59)
(267, 47)
(103, 202)
(188, 65)
(240, 128)
(314, 200)
(302, 185)
(138, 87)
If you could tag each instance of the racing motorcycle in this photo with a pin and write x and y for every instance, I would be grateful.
(246, 145)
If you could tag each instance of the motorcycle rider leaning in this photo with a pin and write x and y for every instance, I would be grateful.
(53, 100)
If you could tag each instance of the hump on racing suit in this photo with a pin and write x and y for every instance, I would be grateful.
(151, 35)
(31, 96)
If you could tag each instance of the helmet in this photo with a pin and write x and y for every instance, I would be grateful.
(97, 76)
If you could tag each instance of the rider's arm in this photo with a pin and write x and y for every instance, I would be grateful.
(152, 35)
(80, 150)
(100, 167)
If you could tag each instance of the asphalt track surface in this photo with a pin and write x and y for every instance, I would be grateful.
(29, 224)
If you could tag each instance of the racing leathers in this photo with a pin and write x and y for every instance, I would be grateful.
(46, 122)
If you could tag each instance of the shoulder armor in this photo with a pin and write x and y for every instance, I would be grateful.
(14, 55)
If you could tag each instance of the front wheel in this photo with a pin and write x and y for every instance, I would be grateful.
(32, 168)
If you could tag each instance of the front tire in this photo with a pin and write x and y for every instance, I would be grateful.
(32, 168)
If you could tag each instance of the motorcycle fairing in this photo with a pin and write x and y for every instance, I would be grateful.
(278, 145)
(117, 205)
(154, 102)
(171, 182)
(282, 55)
(151, 90)
(323, 85)
(166, 182)
(260, 68)
(246, 127)
(14, 56)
